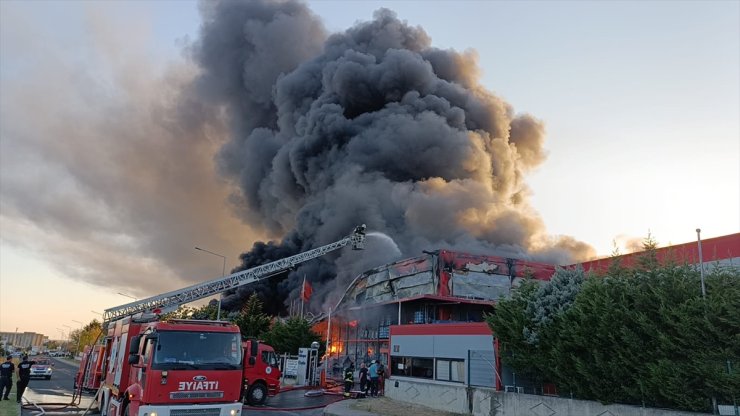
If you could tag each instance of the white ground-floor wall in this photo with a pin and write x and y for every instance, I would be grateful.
(478, 401)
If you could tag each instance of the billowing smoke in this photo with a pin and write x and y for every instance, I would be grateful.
(107, 167)
(373, 125)
(106, 157)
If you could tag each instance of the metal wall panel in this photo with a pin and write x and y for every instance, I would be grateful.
(480, 286)
(482, 368)
(443, 346)
(457, 346)
(413, 345)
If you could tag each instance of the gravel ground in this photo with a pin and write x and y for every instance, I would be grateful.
(387, 407)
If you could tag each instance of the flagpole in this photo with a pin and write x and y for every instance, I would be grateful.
(328, 345)
(303, 294)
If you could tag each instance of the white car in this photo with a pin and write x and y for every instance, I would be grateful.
(42, 368)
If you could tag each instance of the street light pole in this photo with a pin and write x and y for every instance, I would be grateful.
(61, 332)
(128, 296)
(223, 273)
(79, 337)
(701, 264)
(69, 334)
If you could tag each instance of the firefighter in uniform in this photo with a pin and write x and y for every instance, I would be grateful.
(24, 376)
(6, 377)
(349, 379)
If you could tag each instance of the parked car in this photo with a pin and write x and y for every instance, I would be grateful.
(42, 369)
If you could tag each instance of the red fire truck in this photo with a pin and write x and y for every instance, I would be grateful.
(153, 367)
(93, 370)
(261, 372)
(166, 367)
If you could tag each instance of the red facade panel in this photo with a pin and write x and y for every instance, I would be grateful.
(450, 260)
(466, 328)
(713, 249)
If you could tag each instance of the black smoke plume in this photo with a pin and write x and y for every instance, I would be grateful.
(372, 125)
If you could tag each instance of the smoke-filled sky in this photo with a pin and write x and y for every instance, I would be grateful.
(133, 132)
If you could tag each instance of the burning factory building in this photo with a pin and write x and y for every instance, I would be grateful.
(423, 317)
(449, 293)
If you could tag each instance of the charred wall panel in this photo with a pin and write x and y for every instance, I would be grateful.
(475, 285)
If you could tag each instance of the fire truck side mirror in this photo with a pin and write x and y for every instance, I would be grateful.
(133, 359)
(134, 346)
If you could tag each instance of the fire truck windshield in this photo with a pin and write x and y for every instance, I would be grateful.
(182, 350)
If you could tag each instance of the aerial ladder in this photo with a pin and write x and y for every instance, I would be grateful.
(169, 301)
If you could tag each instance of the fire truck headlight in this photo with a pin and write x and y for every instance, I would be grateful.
(234, 412)
(151, 414)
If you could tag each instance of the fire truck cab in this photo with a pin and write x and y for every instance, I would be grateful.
(261, 372)
(171, 368)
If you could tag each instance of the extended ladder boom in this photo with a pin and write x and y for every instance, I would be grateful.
(171, 300)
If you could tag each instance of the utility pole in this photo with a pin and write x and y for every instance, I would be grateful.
(79, 337)
(734, 401)
(701, 264)
(69, 335)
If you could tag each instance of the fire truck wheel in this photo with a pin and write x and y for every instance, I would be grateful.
(257, 394)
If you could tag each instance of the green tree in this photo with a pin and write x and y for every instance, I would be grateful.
(79, 338)
(509, 323)
(89, 335)
(251, 319)
(648, 337)
(207, 312)
(289, 336)
(648, 258)
(616, 268)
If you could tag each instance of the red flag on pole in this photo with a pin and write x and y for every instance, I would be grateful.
(306, 291)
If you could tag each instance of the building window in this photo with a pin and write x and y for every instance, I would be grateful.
(450, 370)
(412, 367)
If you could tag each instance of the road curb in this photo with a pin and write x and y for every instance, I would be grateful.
(342, 408)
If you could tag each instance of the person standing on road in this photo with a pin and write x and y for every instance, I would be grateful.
(381, 379)
(24, 376)
(6, 377)
(349, 379)
(373, 372)
(363, 378)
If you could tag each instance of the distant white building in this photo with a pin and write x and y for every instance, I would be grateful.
(23, 340)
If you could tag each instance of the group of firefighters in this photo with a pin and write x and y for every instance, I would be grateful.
(6, 377)
(371, 378)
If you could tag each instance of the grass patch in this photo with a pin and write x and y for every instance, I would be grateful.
(10, 407)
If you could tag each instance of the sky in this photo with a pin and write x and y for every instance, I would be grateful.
(640, 103)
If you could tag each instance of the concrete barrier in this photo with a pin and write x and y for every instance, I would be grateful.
(480, 401)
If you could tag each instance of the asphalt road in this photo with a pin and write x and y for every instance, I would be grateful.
(61, 383)
(54, 394)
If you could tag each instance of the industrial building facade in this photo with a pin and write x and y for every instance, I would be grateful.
(424, 317)
(22, 340)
